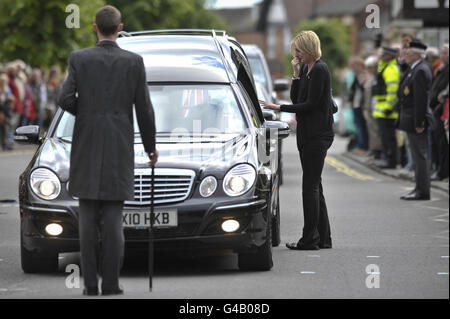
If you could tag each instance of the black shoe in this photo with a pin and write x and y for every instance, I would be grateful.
(408, 194)
(90, 291)
(386, 166)
(415, 196)
(110, 292)
(296, 246)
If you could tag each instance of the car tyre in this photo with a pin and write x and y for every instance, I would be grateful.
(38, 262)
(262, 259)
(276, 232)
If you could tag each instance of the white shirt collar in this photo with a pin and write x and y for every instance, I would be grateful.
(415, 63)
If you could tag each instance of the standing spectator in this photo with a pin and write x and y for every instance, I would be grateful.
(385, 94)
(434, 59)
(17, 108)
(445, 116)
(356, 99)
(29, 114)
(20, 80)
(53, 88)
(439, 141)
(406, 39)
(371, 64)
(6, 101)
(416, 117)
(39, 91)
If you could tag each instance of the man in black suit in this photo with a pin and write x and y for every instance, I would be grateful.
(415, 116)
(102, 85)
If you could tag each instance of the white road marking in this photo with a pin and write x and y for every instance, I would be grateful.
(444, 257)
(440, 220)
(442, 273)
(314, 256)
(435, 208)
(307, 272)
(442, 215)
(373, 256)
(443, 237)
(3, 289)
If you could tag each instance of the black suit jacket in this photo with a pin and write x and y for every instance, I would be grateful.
(102, 85)
(413, 98)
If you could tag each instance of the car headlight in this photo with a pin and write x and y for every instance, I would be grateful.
(45, 183)
(208, 186)
(239, 180)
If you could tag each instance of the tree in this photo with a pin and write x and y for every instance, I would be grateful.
(168, 14)
(335, 45)
(36, 32)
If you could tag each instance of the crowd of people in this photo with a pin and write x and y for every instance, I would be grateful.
(373, 93)
(27, 97)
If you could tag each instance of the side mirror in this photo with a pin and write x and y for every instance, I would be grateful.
(281, 127)
(269, 115)
(281, 85)
(27, 134)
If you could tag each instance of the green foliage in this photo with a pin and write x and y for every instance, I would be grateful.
(335, 43)
(35, 30)
(168, 14)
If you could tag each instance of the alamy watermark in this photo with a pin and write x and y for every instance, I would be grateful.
(73, 19)
(73, 279)
(373, 278)
(373, 17)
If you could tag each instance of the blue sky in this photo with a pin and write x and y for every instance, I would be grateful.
(233, 3)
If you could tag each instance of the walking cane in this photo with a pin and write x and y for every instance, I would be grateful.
(150, 234)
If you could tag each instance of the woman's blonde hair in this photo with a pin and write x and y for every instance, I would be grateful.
(308, 42)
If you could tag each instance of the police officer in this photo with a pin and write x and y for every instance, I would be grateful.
(385, 94)
(415, 116)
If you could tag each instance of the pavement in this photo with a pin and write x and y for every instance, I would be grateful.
(399, 173)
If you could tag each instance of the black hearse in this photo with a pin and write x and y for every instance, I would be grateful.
(216, 182)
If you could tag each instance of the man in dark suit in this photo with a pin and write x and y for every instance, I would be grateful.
(102, 85)
(415, 116)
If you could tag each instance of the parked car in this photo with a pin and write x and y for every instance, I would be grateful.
(216, 184)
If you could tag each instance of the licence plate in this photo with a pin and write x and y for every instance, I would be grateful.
(163, 218)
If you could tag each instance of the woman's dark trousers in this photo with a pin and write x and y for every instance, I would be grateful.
(316, 230)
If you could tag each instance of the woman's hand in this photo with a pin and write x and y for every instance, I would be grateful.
(269, 106)
(295, 65)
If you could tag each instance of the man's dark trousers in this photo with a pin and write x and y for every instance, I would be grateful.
(388, 140)
(418, 144)
(104, 218)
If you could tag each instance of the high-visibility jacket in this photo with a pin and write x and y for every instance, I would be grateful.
(384, 107)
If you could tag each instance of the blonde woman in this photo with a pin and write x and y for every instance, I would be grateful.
(312, 104)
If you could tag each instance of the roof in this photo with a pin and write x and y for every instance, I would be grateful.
(239, 19)
(341, 7)
(178, 58)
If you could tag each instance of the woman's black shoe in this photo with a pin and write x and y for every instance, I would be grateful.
(109, 292)
(296, 246)
(90, 291)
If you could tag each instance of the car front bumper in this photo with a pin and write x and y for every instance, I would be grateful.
(199, 227)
